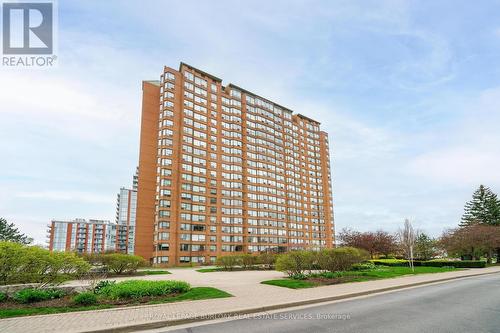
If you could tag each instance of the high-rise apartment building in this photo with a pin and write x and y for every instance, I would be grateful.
(80, 235)
(223, 170)
(126, 204)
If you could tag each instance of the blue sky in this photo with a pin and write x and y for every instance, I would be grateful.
(409, 92)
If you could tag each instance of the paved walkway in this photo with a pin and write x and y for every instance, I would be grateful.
(245, 286)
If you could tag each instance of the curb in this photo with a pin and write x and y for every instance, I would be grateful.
(221, 315)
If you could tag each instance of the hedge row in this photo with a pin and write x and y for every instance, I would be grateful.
(456, 264)
(432, 263)
(393, 262)
(246, 261)
(32, 264)
(296, 263)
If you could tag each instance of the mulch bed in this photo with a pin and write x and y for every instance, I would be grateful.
(67, 301)
(56, 302)
(326, 282)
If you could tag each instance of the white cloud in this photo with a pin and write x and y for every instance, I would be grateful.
(470, 154)
(467, 165)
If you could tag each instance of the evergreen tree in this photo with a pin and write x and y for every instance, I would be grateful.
(425, 247)
(484, 208)
(9, 232)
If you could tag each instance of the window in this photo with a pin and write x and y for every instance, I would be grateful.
(201, 82)
(163, 236)
(163, 247)
(169, 76)
(161, 260)
(165, 203)
(163, 225)
(164, 213)
(235, 93)
(189, 76)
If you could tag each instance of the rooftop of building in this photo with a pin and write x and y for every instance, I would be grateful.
(231, 85)
(80, 220)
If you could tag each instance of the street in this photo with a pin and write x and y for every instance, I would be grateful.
(470, 305)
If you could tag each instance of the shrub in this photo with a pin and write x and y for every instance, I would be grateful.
(456, 264)
(86, 298)
(95, 259)
(364, 266)
(299, 276)
(390, 262)
(296, 262)
(248, 261)
(64, 266)
(32, 264)
(120, 263)
(228, 262)
(102, 284)
(3, 297)
(141, 288)
(339, 259)
(267, 259)
(396, 262)
(327, 275)
(36, 295)
(387, 257)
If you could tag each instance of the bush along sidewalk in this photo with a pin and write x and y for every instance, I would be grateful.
(306, 269)
(242, 262)
(20, 264)
(106, 294)
(117, 264)
(432, 263)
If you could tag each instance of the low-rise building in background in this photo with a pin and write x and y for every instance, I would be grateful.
(80, 235)
(97, 236)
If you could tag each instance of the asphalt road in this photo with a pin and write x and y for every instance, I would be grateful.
(469, 305)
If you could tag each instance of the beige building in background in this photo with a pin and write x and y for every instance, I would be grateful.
(81, 236)
(223, 171)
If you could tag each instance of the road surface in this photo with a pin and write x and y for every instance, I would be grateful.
(470, 305)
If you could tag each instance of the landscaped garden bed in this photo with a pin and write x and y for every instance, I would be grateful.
(330, 278)
(432, 263)
(138, 273)
(306, 268)
(106, 294)
(242, 262)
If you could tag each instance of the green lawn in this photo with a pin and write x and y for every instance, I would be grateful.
(382, 272)
(290, 283)
(193, 294)
(196, 294)
(395, 271)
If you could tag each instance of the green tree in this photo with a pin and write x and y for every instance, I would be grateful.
(229, 262)
(120, 263)
(9, 233)
(296, 262)
(340, 258)
(425, 247)
(474, 241)
(32, 264)
(484, 208)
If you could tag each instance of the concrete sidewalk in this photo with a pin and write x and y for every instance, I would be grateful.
(250, 297)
